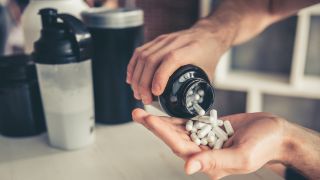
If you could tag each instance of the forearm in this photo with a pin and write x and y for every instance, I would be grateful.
(237, 21)
(301, 150)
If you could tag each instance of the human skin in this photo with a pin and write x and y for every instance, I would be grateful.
(234, 22)
(259, 139)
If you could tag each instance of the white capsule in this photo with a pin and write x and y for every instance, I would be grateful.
(204, 119)
(228, 127)
(213, 121)
(201, 92)
(199, 125)
(218, 144)
(204, 141)
(220, 122)
(199, 109)
(220, 133)
(196, 97)
(212, 139)
(190, 92)
(195, 139)
(214, 114)
(204, 131)
(211, 145)
(189, 104)
(200, 100)
(194, 130)
(189, 125)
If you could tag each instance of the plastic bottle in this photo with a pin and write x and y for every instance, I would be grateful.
(63, 63)
(31, 22)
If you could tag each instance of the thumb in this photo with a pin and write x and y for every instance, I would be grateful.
(211, 161)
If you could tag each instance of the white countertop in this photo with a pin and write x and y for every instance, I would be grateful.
(122, 152)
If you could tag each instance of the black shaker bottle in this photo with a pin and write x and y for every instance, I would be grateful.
(63, 63)
(21, 112)
(115, 33)
(188, 93)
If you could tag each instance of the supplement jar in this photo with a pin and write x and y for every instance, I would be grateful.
(21, 111)
(188, 93)
(115, 33)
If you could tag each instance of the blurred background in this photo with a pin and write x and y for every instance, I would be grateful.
(273, 72)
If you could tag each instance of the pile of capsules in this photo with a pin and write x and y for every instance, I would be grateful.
(207, 131)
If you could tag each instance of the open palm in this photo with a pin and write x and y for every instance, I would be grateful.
(256, 141)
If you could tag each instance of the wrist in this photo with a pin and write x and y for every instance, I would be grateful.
(290, 143)
(220, 33)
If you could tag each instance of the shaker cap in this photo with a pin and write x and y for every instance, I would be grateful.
(64, 39)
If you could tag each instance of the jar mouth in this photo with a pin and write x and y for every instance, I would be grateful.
(173, 99)
(207, 99)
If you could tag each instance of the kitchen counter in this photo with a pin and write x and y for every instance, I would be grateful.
(122, 152)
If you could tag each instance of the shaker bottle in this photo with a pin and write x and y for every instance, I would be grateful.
(21, 112)
(115, 33)
(187, 92)
(62, 56)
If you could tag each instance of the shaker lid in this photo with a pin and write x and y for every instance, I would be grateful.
(64, 39)
(16, 67)
(119, 18)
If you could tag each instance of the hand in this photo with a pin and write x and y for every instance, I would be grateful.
(153, 63)
(258, 139)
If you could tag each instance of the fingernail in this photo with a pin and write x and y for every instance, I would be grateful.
(194, 167)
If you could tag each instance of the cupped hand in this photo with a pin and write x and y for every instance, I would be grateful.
(258, 140)
(153, 63)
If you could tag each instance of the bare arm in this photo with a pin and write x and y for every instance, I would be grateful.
(234, 22)
(302, 150)
(244, 19)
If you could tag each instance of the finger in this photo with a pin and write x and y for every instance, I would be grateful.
(134, 59)
(135, 79)
(146, 79)
(172, 61)
(138, 115)
(154, 56)
(214, 161)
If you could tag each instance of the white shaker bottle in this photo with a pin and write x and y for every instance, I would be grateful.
(62, 56)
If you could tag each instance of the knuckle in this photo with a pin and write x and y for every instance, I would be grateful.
(152, 59)
(172, 55)
(143, 88)
(212, 165)
(138, 50)
(143, 56)
(195, 44)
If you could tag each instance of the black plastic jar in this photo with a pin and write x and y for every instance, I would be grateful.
(21, 112)
(174, 101)
(115, 34)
